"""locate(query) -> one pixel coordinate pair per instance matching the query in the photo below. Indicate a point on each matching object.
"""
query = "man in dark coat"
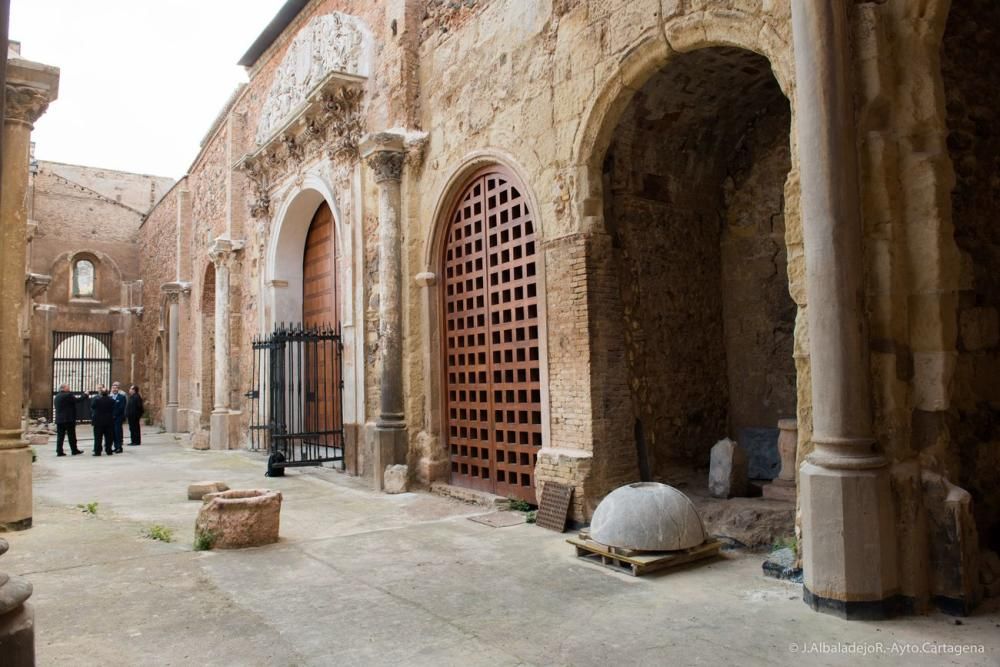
(103, 416)
(94, 395)
(133, 413)
(65, 404)
(120, 402)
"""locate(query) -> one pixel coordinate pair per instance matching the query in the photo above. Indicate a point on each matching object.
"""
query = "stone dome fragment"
(647, 516)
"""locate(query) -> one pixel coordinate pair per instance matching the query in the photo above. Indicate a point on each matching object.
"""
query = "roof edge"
(282, 20)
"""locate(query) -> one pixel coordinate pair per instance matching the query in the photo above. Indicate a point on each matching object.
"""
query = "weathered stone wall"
(157, 246)
(87, 213)
(694, 189)
(972, 39)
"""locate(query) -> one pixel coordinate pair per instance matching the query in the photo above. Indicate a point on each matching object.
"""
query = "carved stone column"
(848, 539)
(29, 89)
(384, 153)
(173, 292)
(222, 254)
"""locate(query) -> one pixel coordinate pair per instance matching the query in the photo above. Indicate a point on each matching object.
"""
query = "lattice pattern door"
(492, 383)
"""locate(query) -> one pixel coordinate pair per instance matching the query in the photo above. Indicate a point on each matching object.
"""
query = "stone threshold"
(470, 495)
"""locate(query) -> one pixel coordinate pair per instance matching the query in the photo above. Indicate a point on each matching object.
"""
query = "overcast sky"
(141, 81)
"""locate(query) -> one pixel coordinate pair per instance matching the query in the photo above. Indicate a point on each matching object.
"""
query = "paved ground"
(366, 579)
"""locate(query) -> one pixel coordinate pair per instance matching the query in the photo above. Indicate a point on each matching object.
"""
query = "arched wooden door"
(319, 311)
(491, 338)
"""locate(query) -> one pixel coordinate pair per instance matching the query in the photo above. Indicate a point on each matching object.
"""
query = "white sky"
(141, 81)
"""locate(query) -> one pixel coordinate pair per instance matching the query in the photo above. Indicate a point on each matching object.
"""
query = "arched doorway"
(490, 341)
(81, 360)
(693, 183)
(207, 384)
(319, 275)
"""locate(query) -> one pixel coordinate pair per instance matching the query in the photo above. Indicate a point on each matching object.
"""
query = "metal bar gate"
(82, 360)
(295, 400)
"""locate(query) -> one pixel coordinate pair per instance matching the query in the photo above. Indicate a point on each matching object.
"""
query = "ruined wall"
(86, 213)
(694, 202)
(157, 241)
(972, 90)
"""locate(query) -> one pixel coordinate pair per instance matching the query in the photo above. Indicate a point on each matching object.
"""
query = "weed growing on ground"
(531, 517)
(518, 505)
(158, 532)
(203, 540)
(89, 508)
(788, 542)
(34, 455)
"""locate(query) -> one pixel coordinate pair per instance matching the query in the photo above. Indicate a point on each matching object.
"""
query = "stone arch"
(107, 274)
(648, 55)
(433, 461)
(286, 245)
(653, 54)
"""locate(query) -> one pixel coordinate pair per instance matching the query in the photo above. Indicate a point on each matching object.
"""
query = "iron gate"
(82, 360)
(295, 399)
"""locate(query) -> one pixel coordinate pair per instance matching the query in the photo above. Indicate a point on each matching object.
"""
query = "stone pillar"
(173, 292)
(17, 620)
(222, 253)
(29, 89)
(848, 540)
(385, 153)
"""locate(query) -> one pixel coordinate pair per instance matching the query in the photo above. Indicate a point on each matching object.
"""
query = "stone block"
(240, 518)
(780, 564)
(395, 478)
(199, 490)
(979, 328)
(954, 545)
(727, 473)
(761, 446)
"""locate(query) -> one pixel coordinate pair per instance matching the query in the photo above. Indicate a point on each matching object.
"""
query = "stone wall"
(695, 202)
(87, 213)
(972, 91)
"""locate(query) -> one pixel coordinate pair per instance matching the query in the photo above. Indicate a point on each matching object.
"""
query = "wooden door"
(491, 338)
(319, 310)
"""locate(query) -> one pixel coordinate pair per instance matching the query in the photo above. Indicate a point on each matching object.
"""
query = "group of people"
(109, 410)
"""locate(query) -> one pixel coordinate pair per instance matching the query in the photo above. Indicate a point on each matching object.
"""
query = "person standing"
(65, 405)
(94, 395)
(133, 413)
(103, 411)
(120, 402)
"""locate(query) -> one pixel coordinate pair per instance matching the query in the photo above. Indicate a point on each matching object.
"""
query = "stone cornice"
(329, 121)
(37, 284)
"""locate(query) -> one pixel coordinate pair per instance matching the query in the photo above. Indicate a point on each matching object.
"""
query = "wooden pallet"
(638, 563)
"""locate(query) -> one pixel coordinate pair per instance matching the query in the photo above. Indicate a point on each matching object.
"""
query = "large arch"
(652, 53)
(434, 457)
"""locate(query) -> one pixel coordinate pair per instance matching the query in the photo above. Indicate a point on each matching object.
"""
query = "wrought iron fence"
(81, 360)
(295, 399)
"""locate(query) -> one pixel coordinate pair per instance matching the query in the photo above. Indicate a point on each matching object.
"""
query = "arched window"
(83, 278)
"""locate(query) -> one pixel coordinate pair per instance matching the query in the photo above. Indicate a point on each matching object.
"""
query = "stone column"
(173, 292)
(848, 540)
(222, 253)
(385, 153)
(29, 89)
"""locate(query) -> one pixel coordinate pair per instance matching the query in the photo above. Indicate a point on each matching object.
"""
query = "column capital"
(222, 250)
(175, 289)
(384, 152)
(30, 88)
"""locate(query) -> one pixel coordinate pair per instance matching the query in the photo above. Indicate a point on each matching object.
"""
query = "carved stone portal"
(330, 43)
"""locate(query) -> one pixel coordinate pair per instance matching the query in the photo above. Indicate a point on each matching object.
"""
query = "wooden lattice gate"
(491, 338)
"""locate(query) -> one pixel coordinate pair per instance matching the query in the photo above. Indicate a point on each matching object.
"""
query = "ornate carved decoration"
(37, 283)
(333, 42)
(331, 123)
(223, 251)
(416, 150)
(25, 103)
(387, 165)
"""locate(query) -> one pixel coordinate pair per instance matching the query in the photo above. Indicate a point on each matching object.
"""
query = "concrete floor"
(367, 579)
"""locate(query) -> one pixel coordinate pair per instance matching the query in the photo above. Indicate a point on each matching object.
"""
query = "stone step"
(470, 495)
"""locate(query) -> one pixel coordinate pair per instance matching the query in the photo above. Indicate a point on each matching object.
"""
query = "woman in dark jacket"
(133, 413)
